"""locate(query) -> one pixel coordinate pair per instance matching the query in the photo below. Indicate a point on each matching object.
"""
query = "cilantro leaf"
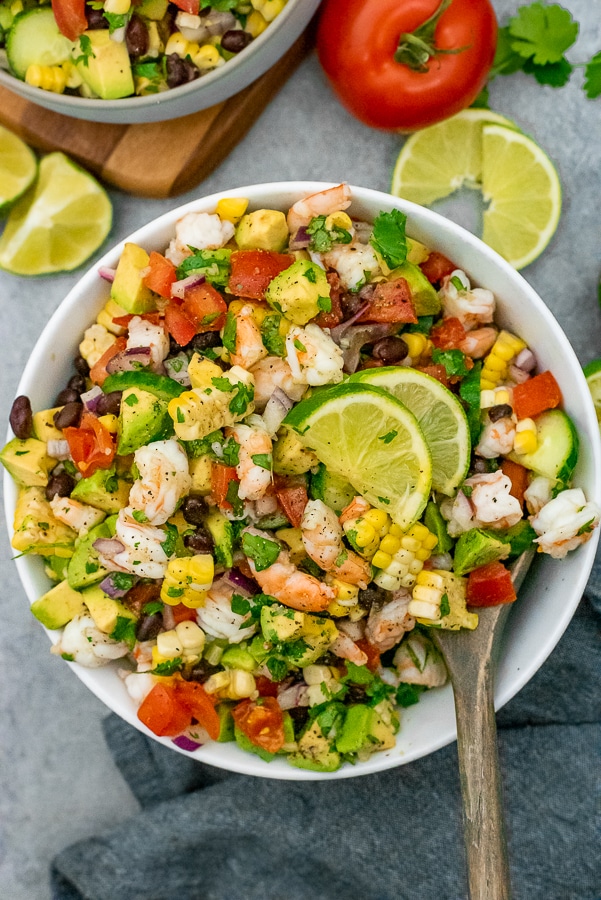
(124, 630)
(231, 452)
(86, 51)
(388, 237)
(233, 498)
(357, 674)
(452, 360)
(506, 60)
(271, 337)
(542, 33)
(213, 264)
(408, 694)
(262, 551)
(244, 395)
(592, 77)
(240, 605)
(263, 460)
(230, 330)
(278, 668)
(323, 238)
(170, 541)
(469, 391)
(553, 74)
(168, 667)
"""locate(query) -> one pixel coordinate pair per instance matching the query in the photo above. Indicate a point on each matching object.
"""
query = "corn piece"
(48, 78)
(118, 7)
(207, 57)
(255, 23)
(110, 422)
(269, 9)
(416, 344)
(242, 684)
(169, 644)
(381, 560)
(191, 636)
(390, 544)
(218, 682)
(422, 610)
(378, 519)
(338, 219)
(231, 209)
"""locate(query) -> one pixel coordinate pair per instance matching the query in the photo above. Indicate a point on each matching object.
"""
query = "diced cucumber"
(335, 491)
(557, 452)
(34, 39)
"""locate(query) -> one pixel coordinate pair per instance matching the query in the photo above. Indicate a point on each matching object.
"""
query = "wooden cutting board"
(159, 159)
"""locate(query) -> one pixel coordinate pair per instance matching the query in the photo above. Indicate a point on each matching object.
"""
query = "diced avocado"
(36, 530)
(226, 723)
(220, 529)
(84, 566)
(263, 229)
(364, 732)
(55, 568)
(43, 425)
(289, 455)
(520, 537)
(318, 635)
(107, 70)
(103, 490)
(246, 744)
(315, 752)
(104, 610)
(142, 418)
(27, 461)
(434, 522)
(128, 289)
(457, 617)
(417, 252)
(152, 9)
(332, 489)
(238, 658)
(200, 472)
(280, 623)
(58, 606)
(293, 538)
(300, 292)
(161, 386)
(426, 301)
(477, 548)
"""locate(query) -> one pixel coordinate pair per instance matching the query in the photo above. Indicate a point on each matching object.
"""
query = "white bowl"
(208, 90)
(554, 587)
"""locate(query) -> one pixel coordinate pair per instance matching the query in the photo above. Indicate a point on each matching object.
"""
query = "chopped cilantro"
(408, 694)
(175, 592)
(169, 667)
(324, 304)
(357, 674)
(124, 630)
(231, 452)
(452, 360)
(445, 606)
(68, 657)
(233, 498)
(244, 395)
(278, 668)
(322, 238)
(469, 391)
(140, 516)
(388, 237)
(122, 581)
(240, 605)
(230, 330)
(385, 500)
(422, 326)
(111, 484)
(223, 384)
(153, 607)
(378, 690)
(387, 438)
(132, 400)
(213, 264)
(310, 275)
(270, 333)
(91, 567)
(86, 51)
(263, 460)
(170, 541)
(262, 551)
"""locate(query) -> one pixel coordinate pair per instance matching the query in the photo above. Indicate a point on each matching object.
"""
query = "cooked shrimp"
(565, 522)
(85, 644)
(139, 685)
(417, 661)
(217, 618)
(142, 552)
(254, 442)
(472, 306)
(320, 204)
(313, 356)
(352, 569)
(496, 438)
(490, 505)
(322, 534)
(78, 516)
(538, 493)
(144, 334)
(271, 373)
(249, 345)
(352, 261)
(477, 343)
(203, 231)
(357, 507)
(346, 648)
(164, 480)
(387, 624)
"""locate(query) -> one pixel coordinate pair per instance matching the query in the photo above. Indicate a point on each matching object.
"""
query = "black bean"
(350, 303)
(299, 716)
(81, 365)
(235, 40)
(109, 404)
(200, 541)
(67, 395)
(21, 417)
(69, 415)
(501, 411)
(205, 340)
(390, 349)
(62, 484)
(77, 383)
(148, 626)
(136, 37)
(95, 19)
(194, 510)
(179, 71)
(356, 693)
(371, 595)
(201, 672)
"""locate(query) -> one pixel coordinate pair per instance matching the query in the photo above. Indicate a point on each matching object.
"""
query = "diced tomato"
(536, 395)
(193, 697)
(98, 373)
(179, 325)
(262, 722)
(161, 275)
(205, 307)
(221, 477)
(140, 594)
(390, 302)
(183, 613)
(153, 317)
(372, 653)
(490, 585)
(448, 335)
(436, 370)
(70, 17)
(90, 444)
(335, 315)
(252, 270)
(371, 364)
(436, 266)
(266, 687)
(161, 712)
(518, 475)
(293, 499)
(189, 6)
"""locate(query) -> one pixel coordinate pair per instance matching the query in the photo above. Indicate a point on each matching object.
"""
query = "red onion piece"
(291, 697)
(108, 546)
(525, 360)
(518, 375)
(275, 411)
(176, 368)
(185, 743)
(128, 360)
(109, 587)
(217, 22)
(358, 336)
(179, 288)
(301, 240)
(338, 332)
(90, 398)
(244, 585)
(107, 273)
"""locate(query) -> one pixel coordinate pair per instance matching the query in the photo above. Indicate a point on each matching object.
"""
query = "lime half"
(592, 373)
(439, 414)
(59, 224)
(18, 168)
(368, 437)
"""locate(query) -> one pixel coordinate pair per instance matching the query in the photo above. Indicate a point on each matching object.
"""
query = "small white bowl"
(553, 589)
(208, 90)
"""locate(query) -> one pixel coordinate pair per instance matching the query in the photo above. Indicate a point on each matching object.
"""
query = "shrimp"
(387, 624)
(164, 480)
(496, 438)
(85, 644)
(203, 231)
(249, 344)
(357, 507)
(142, 552)
(138, 685)
(538, 493)
(352, 261)
(472, 306)
(144, 334)
(320, 204)
(477, 343)
(217, 618)
(254, 442)
(490, 505)
(346, 648)
(313, 356)
(565, 522)
(352, 569)
(76, 515)
(417, 661)
(321, 534)
(271, 373)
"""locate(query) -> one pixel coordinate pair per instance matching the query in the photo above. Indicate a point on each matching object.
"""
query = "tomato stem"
(416, 48)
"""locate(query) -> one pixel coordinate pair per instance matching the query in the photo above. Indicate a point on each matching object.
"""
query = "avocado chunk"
(364, 732)
(43, 425)
(476, 548)
(103, 490)
(280, 623)
(84, 566)
(58, 606)
(200, 468)
(220, 529)
(55, 568)
(417, 252)
(334, 490)
(128, 288)
(300, 292)
(152, 9)
(27, 461)
(142, 418)
(226, 723)
(161, 386)
(454, 613)
(315, 752)
(36, 530)
(290, 457)
(104, 610)
(304, 637)
(263, 229)
(434, 522)
(107, 70)
(426, 301)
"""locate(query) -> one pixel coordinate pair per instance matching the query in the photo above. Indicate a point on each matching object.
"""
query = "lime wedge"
(439, 414)
(438, 160)
(592, 373)
(523, 191)
(369, 438)
(59, 224)
(18, 168)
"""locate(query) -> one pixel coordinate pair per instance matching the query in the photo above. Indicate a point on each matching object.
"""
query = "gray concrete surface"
(57, 781)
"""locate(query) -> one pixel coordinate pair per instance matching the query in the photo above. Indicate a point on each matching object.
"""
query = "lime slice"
(18, 167)
(369, 438)
(59, 224)
(439, 414)
(438, 160)
(523, 191)
(592, 373)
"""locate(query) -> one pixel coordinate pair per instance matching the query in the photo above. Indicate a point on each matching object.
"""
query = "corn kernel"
(231, 209)
(269, 9)
(169, 644)
(110, 422)
(390, 544)
(378, 519)
(395, 530)
(218, 682)
(388, 582)
(486, 384)
(381, 560)
(337, 609)
(155, 44)
(255, 23)
(364, 532)
(110, 311)
(202, 371)
(118, 7)
(416, 344)
(207, 57)
(344, 590)
(48, 78)
(242, 684)
(423, 610)
(338, 220)
(178, 44)
(191, 636)
(73, 78)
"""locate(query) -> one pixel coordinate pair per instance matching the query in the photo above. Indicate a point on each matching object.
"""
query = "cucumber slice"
(557, 452)
(335, 491)
(34, 39)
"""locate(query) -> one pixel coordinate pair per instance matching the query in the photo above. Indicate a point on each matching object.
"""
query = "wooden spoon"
(471, 658)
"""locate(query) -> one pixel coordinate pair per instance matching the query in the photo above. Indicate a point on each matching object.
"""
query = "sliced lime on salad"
(592, 373)
(440, 416)
(18, 168)
(367, 436)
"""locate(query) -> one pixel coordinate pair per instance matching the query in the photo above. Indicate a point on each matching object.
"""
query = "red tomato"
(205, 307)
(189, 6)
(262, 722)
(372, 653)
(519, 477)
(98, 373)
(293, 500)
(193, 697)
(436, 370)
(91, 445)
(183, 613)
(266, 687)
(360, 41)
(252, 270)
(179, 325)
(448, 335)
(221, 476)
(70, 17)
(490, 585)
(335, 315)
(161, 712)
(536, 395)
(391, 302)
(161, 274)
(436, 266)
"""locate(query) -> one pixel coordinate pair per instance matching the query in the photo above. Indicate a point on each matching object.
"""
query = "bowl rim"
(287, 190)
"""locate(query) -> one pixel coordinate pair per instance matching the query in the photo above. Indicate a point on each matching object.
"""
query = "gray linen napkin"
(205, 834)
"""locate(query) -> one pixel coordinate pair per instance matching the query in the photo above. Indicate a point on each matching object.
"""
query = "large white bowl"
(553, 589)
(218, 85)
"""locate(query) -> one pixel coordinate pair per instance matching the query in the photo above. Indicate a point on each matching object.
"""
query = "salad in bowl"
(300, 427)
